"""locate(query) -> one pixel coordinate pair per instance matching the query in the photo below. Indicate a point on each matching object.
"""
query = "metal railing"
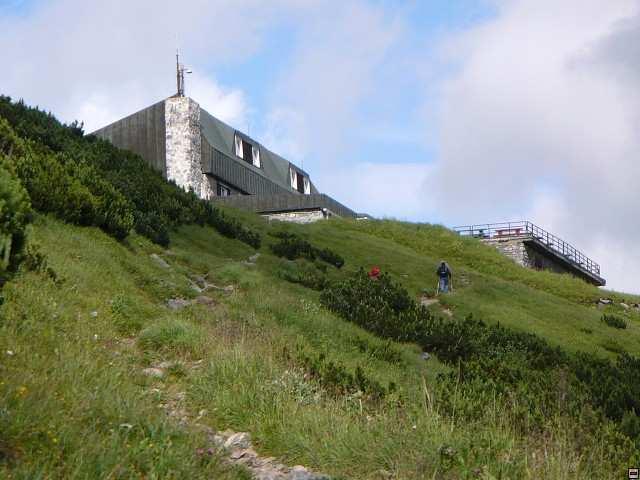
(528, 229)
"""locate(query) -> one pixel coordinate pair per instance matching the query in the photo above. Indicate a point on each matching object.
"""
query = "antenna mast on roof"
(180, 71)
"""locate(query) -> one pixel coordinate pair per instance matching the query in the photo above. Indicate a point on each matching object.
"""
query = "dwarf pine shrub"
(614, 321)
(88, 181)
(15, 214)
(492, 360)
(291, 247)
(304, 273)
(337, 379)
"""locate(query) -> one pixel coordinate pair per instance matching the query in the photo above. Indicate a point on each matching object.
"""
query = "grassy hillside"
(122, 353)
(73, 383)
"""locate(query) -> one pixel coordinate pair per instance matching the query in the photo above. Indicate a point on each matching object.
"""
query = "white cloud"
(541, 121)
(331, 73)
(97, 61)
(380, 189)
(229, 105)
(339, 66)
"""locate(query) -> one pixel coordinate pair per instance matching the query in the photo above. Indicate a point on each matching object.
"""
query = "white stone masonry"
(183, 146)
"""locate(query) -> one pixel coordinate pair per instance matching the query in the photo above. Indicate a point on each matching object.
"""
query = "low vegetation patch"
(304, 273)
(292, 246)
(492, 360)
(614, 321)
(171, 335)
(87, 181)
(337, 379)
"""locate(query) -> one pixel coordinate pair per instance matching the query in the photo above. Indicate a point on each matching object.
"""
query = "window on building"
(256, 156)
(223, 190)
(300, 183)
(248, 152)
(238, 146)
(294, 178)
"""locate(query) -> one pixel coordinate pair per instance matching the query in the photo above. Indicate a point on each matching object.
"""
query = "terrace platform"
(531, 246)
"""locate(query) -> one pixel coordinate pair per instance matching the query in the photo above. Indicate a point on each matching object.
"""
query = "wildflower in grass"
(22, 391)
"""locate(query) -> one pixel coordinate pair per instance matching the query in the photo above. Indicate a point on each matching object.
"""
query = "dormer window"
(299, 181)
(248, 152)
(294, 178)
(256, 157)
(238, 143)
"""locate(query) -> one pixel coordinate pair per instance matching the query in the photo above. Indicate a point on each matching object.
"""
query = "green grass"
(75, 404)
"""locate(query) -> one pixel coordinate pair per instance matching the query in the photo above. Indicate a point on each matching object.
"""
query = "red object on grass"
(375, 272)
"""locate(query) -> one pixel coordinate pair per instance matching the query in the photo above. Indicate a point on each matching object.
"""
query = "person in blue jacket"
(445, 275)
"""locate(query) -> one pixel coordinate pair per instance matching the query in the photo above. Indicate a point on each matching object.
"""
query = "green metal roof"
(221, 137)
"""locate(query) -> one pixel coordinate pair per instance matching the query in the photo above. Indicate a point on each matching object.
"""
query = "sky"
(440, 111)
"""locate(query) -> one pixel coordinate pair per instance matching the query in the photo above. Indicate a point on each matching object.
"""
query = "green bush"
(292, 247)
(15, 214)
(74, 192)
(492, 360)
(331, 257)
(88, 181)
(381, 306)
(36, 261)
(614, 321)
(303, 273)
(152, 226)
(336, 378)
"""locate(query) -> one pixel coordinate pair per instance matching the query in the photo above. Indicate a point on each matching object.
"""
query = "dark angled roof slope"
(221, 137)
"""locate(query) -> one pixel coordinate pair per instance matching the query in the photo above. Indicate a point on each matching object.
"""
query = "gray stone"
(425, 356)
(254, 258)
(238, 440)
(177, 303)
(159, 260)
(268, 474)
(625, 306)
(166, 364)
(239, 453)
(309, 216)
(204, 300)
(218, 440)
(153, 372)
(605, 301)
(305, 475)
(199, 280)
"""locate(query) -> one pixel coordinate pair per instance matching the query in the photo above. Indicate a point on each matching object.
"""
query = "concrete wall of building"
(143, 133)
(286, 203)
(309, 216)
(523, 254)
(539, 261)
